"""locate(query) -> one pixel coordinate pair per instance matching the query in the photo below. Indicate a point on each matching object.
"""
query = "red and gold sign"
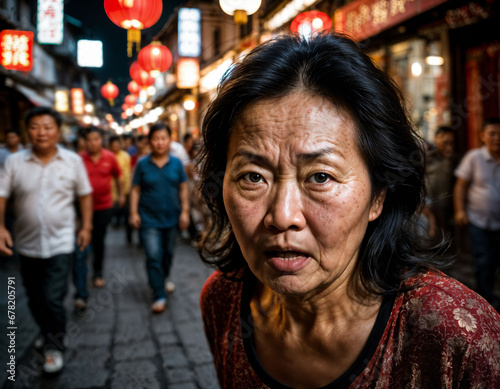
(365, 18)
(134, 16)
(77, 101)
(309, 22)
(17, 50)
(155, 58)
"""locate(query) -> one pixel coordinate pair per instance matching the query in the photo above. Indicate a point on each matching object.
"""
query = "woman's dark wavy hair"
(334, 67)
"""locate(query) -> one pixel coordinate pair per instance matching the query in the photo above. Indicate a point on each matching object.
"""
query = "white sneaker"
(39, 342)
(54, 361)
(159, 305)
(169, 287)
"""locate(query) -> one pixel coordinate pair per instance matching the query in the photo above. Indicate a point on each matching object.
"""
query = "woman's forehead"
(295, 117)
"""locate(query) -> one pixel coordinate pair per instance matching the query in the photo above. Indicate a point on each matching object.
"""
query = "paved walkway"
(119, 343)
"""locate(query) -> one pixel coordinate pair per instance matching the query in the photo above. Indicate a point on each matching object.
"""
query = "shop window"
(417, 67)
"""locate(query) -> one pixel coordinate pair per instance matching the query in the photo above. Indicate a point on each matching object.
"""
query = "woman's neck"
(321, 314)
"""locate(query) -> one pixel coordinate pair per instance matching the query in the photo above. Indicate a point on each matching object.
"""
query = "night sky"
(97, 25)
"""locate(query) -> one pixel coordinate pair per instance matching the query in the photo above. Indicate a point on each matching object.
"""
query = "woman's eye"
(319, 178)
(253, 177)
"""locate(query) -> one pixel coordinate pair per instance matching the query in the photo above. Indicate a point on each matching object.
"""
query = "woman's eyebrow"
(260, 159)
(307, 157)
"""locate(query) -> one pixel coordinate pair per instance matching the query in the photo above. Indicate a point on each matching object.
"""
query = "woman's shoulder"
(219, 291)
(439, 302)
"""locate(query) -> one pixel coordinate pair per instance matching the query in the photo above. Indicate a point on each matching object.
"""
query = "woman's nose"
(285, 208)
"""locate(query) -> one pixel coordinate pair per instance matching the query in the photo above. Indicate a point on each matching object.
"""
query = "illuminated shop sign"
(62, 101)
(89, 53)
(188, 73)
(366, 18)
(189, 43)
(77, 101)
(17, 50)
(50, 26)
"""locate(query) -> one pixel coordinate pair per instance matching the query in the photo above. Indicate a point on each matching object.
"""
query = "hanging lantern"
(134, 16)
(155, 58)
(109, 91)
(310, 22)
(130, 100)
(125, 107)
(240, 9)
(140, 76)
(134, 88)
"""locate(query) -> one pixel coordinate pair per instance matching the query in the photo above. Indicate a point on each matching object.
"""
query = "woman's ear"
(377, 205)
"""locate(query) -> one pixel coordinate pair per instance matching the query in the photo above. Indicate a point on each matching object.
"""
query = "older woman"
(313, 173)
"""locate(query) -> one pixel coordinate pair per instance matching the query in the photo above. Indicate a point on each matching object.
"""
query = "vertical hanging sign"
(189, 32)
(50, 25)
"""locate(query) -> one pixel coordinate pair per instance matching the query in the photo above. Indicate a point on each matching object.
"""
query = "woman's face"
(297, 194)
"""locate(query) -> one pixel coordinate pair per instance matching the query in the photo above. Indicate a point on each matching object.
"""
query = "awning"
(33, 96)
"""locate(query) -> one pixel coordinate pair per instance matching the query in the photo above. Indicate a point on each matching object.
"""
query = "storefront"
(409, 40)
(444, 55)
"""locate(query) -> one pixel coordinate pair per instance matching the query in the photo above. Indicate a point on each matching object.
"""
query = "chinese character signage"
(77, 101)
(365, 18)
(188, 73)
(189, 43)
(50, 24)
(17, 50)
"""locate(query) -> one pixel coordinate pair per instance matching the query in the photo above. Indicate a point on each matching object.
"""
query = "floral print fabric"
(440, 335)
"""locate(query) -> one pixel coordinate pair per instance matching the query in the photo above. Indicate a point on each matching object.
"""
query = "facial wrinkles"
(266, 132)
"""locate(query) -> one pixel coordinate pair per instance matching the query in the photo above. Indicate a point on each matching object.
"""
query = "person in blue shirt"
(159, 206)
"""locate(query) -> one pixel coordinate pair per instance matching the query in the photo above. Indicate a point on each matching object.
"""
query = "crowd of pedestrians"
(56, 205)
(63, 201)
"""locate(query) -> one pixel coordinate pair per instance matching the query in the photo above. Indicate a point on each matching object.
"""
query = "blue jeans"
(159, 245)
(486, 251)
(80, 272)
(46, 283)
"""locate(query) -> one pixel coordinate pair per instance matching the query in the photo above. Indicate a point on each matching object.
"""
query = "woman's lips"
(287, 261)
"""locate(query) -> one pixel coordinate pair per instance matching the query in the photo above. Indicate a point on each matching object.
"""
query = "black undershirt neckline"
(349, 376)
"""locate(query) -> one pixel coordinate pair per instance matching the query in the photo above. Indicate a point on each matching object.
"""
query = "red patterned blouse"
(440, 334)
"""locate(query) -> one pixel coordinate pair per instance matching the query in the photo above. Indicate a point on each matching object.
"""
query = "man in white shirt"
(477, 205)
(44, 181)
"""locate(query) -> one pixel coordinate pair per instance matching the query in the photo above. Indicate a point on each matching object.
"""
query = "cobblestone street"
(119, 343)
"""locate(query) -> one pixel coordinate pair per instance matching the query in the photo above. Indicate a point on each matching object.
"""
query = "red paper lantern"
(309, 22)
(130, 100)
(125, 107)
(155, 58)
(140, 76)
(109, 91)
(134, 88)
(134, 16)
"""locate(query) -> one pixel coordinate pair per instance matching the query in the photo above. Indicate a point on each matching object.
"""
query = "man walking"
(441, 162)
(43, 180)
(477, 205)
(102, 168)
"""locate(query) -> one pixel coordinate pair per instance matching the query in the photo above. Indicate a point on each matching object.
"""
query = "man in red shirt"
(102, 167)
